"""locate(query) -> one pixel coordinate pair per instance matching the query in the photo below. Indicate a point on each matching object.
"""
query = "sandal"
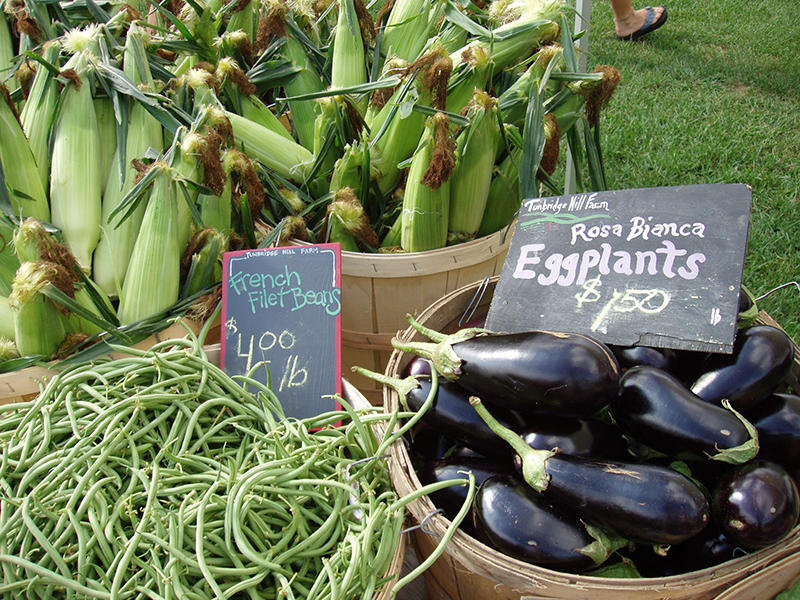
(649, 25)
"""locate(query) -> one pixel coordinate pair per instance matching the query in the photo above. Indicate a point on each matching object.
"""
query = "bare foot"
(633, 23)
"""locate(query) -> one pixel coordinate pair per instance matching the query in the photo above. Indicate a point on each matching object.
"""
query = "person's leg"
(627, 20)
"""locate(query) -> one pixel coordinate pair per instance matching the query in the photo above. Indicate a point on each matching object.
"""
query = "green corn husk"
(144, 133)
(107, 136)
(504, 200)
(7, 54)
(243, 95)
(403, 126)
(192, 152)
(307, 81)
(513, 102)
(426, 202)
(469, 188)
(37, 114)
(9, 262)
(22, 178)
(244, 19)
(516, 39)
(216, 209)
(348, 60)
(409, 26)
(201, 265)
(75, 178)
(392, 239)
(473, 73)
(347, 223)
(287, 158)
(152, 283)
(39, 325)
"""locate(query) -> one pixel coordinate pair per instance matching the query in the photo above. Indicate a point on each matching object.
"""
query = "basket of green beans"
(156, 475)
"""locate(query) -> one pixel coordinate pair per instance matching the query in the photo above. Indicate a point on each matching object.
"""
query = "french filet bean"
(158, 476)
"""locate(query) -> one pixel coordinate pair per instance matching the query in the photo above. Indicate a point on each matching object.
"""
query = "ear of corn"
(287, 158)
(144, 133)
(152, 283)
(426, 202)
(203, 261)
(470, 183)
(348, 66)
(39, 325)
(307, 81)
(244, 19)
(6, 320)
(410, 24)
(503, 200)
(107, 137)
(6, 53)
(22, 178)
(37, 114)
(9, 262)
(75, 186)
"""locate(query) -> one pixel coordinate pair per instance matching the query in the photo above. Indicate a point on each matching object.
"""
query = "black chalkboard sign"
(657, 267)
(281, 323)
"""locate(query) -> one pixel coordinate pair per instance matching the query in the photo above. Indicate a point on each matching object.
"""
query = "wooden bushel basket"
(380, 290)
(469, 570)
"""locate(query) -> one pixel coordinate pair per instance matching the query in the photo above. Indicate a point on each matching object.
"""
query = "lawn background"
(714, 97)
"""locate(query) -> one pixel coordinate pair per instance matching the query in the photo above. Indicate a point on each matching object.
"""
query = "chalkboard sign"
(281, 313)
(657, 267)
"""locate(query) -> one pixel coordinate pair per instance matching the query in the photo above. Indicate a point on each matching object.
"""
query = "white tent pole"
(583, 14)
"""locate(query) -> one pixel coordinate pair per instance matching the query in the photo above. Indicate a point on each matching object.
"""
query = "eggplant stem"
(422, 349)
(533, 461)
(743, 452)
(603, 546)
(436, 336)
(403, 387)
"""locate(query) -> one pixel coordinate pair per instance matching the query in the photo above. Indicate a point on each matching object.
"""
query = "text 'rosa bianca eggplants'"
(535, 371)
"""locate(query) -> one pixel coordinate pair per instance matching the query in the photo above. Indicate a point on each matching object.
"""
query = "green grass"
(714, 97)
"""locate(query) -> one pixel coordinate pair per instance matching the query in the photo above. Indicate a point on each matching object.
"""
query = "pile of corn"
(142, 140)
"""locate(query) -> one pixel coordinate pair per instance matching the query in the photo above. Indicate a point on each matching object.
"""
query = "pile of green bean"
(158, 476)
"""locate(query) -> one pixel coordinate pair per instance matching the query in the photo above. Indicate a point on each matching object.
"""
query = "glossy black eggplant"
(709, 548)
(518, 522)
(640, 502)
(663, 414)
(451, 413)
(762, 358)
(451, 499)
(777, 420)
(665, 359)
(579, 436)
(529, 372)
(756, 504)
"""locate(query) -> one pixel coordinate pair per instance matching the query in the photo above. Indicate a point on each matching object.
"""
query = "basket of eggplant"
(622, 472)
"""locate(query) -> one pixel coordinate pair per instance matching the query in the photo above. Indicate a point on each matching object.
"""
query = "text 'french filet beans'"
(157, 475)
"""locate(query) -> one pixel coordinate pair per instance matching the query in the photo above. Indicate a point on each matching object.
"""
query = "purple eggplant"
(451, 499)
(632, 356)
(709, 548)
(640, 502)
(762, 358)
(659, 411)
(578, 436)
(777, 420)
(451, 413)
(756, 504)
(529, 372)
(517, 521)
